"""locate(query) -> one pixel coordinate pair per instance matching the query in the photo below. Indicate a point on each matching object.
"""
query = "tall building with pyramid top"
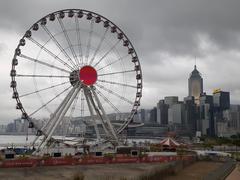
(195, 85)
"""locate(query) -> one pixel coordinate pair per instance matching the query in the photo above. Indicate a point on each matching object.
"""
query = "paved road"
(195, 171)
(235, 174)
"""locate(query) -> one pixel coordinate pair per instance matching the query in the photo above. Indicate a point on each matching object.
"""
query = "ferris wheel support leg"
(89, 95)
(104, 114)
(49, 122)
(53, 118)
(92, 115)
(56, 117)
(62, 114)
(34, 141)
(58, 111)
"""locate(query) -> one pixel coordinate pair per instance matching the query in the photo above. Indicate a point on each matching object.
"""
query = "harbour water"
(16, 139)
(13, 140)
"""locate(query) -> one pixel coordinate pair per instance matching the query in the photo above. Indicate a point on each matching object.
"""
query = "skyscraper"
(162, 112)
(206, 122)
(170, 100)
(221, 99)
(190, 111)
(195, 85)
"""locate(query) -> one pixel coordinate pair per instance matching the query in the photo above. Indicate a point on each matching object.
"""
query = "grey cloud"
(1, 47)
(155, 27)
(166, 25)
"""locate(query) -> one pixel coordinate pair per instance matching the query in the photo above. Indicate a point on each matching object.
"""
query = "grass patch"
(78, 176)
(158, 173)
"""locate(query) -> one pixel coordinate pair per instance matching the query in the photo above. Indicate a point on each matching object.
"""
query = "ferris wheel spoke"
(119, 59)
(99, 46)
(43, 63)
(58, 45)
(82, 103)
(124, 125)
(108, 101)
(41, 76)
(115, 94)
(55, 97)
(51, 53)
(79, 39)
(68, 41)
(100, 60)
(117, 83)
(89, 42)
(120, 72)
(43, 89)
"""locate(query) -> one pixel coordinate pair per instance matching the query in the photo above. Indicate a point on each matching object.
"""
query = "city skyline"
(166, 48)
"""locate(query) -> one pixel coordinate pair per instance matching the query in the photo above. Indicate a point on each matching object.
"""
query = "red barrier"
(58, 161)
(127, 159)
(19, 163)
(51, 161)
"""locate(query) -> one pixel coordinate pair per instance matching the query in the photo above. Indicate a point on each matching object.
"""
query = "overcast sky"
(167, 35)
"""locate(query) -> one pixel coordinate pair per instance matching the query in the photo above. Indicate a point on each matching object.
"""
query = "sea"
(23, 140)
(16, 139)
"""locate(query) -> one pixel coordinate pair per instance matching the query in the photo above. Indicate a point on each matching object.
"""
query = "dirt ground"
(91, 172)
(105, 172)
(195, 171)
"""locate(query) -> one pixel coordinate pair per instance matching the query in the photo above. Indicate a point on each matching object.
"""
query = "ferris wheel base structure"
(59, 114)
(80, 65)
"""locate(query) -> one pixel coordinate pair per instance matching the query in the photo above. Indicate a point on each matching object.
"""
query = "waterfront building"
(206, 122)
(176, 113)
(162, 113)
(144, 115)
(230, 122)
(151, 130)
(153, 115)
(235, 117)
(3, 129)
(190, 114)
(170, 100)
(221, 100)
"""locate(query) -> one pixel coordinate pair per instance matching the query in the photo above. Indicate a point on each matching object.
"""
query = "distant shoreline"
(17, 134)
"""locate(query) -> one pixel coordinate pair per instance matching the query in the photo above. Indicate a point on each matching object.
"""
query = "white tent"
(169, 142)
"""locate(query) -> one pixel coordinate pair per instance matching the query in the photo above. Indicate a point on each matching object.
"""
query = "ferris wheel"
(75, 64)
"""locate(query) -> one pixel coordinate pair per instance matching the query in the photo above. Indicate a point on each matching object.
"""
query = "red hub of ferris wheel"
(88, 75)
